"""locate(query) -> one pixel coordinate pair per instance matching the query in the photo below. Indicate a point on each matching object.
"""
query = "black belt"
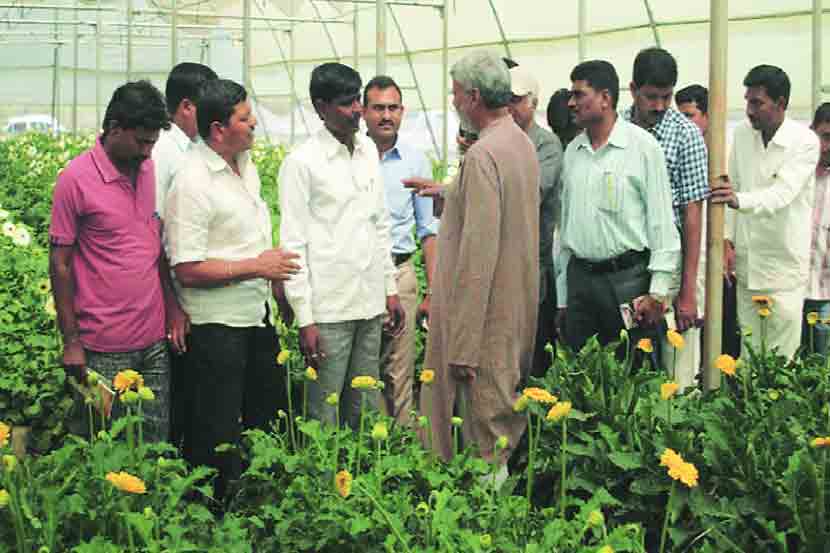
(401, 258)
(620, 263)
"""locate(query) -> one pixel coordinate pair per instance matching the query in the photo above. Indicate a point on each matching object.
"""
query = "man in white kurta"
(772, 177)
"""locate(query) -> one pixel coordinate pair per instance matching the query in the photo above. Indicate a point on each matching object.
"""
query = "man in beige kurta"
(486, 283)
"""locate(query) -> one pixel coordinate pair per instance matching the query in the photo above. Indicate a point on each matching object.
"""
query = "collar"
(657, 130)
(179, 137)
(216, 163)
(618, 137)
(332, 147)
(786, 135)
(504, 120)
(109, 172)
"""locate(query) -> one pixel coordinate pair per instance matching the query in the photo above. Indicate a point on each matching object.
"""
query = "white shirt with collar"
(213, 213)
(169, 154)
(775, 187)
(334, 216)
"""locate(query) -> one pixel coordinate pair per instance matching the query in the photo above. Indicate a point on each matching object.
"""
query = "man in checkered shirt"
(652, 89)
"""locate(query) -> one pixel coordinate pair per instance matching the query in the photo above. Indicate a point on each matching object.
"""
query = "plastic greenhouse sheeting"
(540, 34)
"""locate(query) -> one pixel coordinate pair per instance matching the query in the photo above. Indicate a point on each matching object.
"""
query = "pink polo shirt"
(117, 238)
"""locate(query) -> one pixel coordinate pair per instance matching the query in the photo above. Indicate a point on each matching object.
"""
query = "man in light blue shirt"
(383, 112)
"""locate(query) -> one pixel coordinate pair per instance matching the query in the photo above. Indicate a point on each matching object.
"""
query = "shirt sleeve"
(425, 223)
(787, 182)
(164, 176)
(550, 167)
(295, 217)
(564, 252)
(730, 216)
(478, 252)
(67, 209)
(187, 218)
(382, 227)
(663, 238)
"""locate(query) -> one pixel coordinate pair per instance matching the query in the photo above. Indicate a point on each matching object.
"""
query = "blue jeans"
(821, 331)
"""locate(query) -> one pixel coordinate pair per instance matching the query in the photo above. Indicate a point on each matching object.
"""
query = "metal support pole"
(326, 29)
(56, 61)
(415, 81)
(75, 61)
(716, 142)
(294, 102)
(817, 52)
(380, 44)
(129, 40)
(445, 82)
(98, 67)
(246, 44)
(501, 29)
(582, 41)
(356, 40)
(653, 23)
(174, 33)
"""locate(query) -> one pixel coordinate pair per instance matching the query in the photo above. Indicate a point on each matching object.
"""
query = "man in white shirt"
(184, 86)
(334, 216)
(818, 287)
(218, 237)
(771, 190)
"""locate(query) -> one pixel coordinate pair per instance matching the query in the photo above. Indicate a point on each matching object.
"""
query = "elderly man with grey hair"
(486, 282)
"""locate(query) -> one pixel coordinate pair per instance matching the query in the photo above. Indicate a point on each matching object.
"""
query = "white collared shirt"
(169, 154)
(818, 287)
(333, 214)
(775, 187)
(213, 213)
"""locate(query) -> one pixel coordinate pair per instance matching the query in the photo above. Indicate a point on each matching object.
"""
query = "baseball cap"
(522, 82)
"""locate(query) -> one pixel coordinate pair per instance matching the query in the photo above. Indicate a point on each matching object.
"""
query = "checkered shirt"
(686, 159)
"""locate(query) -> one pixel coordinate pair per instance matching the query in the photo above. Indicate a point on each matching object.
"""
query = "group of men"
(161, 241)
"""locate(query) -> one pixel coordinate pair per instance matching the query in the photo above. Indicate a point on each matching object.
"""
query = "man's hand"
(728, 259)
(424, 187)
(74, 359)
(423, 310)
(462, 372)
(395, 316)
(277, 264)
(648, 311)
(178, 327)
(286, 312)
(559, 321)
(685, 310)
(724, 193)
(311, 345)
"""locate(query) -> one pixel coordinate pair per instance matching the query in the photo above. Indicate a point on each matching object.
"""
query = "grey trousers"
(352, 348)
(153, 363)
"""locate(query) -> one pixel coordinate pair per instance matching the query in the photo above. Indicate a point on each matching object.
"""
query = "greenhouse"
(250, 305)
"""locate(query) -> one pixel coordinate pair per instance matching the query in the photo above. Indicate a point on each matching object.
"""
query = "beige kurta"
(485, 290)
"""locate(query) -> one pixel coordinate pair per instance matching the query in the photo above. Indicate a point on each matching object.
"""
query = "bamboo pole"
(582, 42)
(817, 53)
(380, 35)
(716, 142)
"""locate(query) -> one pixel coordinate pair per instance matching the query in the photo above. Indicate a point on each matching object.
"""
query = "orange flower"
(539, 395)
(668, 389)
(127, 482)
(675, 339)
(427, 376)
(5, 432)
(726, 364)
(127, 379)
(820, 442)
(645, 345)
(670, 458)
(343, 483)
(559, 411)
(762, 301)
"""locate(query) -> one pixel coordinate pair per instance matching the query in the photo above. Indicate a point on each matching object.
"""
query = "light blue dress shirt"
(405, 207)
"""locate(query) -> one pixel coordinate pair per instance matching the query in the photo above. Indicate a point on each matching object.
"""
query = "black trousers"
(545, 333)
(234, 385)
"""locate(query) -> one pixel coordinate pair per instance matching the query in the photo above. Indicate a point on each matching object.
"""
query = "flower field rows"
(614, 460)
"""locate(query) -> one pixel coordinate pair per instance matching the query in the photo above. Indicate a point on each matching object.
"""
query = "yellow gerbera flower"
(427, 376)
(311, 374)
(9, 462)
(343, 483)
(364, 383)
(686, 473)
(43, 286)
(283, 356)
(668, 389)
(675, 339)
(539, 395)
(127, 482)
(146, 394)
(820, 442)
(762, 301)
(764, 312)
(4, 499)
(559, 411)
(5, 433)
(726, 364)
(380, 432)
(127, 379)
(521, 404)
(812, 318)
(670, 458)
(645, 345)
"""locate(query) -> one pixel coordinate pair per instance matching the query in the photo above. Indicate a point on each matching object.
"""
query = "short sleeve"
(186, 218)
(67, 209)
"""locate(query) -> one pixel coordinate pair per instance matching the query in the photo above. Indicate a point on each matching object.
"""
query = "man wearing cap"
(522, 107)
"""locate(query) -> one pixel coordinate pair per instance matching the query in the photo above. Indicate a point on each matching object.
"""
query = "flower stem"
(665, 531)
(454, 441)
(91, 423)
(385, 515)
(359, 435)
(531, 458)
(674, 364)
(564, 467)
(305, 408)
(290, 406)
(140, 424)
(130, 430)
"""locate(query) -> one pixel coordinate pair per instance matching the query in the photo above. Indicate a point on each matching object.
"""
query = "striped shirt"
(617, 199)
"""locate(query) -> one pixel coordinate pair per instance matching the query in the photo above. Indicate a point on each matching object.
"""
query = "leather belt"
(615, 264)
(401, 258)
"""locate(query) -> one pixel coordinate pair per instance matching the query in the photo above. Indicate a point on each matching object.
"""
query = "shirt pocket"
(610, 191)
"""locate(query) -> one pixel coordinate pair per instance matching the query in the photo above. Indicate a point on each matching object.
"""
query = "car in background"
(32, 123)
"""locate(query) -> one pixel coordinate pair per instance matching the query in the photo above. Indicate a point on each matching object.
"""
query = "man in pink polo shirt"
(109, 276)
